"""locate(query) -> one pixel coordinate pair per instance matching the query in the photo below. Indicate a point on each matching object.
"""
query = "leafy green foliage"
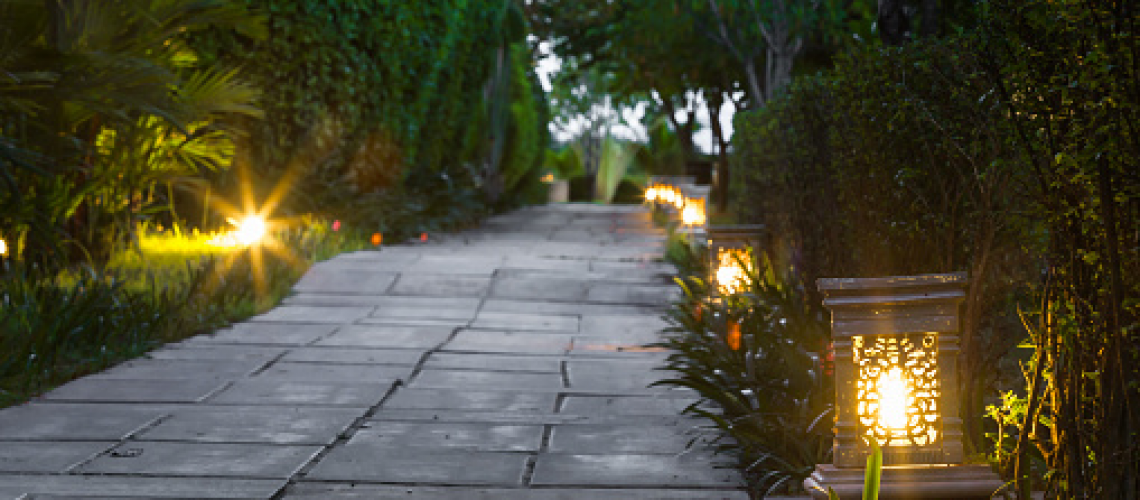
(1010, 153)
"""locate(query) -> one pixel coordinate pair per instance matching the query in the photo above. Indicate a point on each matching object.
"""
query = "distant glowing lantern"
(896, 344)
(3, 247)
(336, 226)
(731, 250)
(250, 229)
(377, 239)
(693, 213)
(423, 237)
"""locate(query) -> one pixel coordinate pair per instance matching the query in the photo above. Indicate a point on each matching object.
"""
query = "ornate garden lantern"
(729, 247)
(896, 349)
(693, 212)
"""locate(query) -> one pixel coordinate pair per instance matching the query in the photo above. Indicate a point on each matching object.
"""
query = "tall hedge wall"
(364, 95)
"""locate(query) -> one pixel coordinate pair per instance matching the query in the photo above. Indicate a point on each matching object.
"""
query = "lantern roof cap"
(893, 289)
(735, 229)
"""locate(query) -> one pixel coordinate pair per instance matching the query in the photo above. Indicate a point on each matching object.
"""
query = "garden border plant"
(753, 358)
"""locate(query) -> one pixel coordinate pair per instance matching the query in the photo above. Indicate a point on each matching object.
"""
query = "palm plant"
(89, 86)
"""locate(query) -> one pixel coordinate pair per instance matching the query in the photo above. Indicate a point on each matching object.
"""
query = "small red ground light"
(733, 337)
(377, 239)
(423, 236)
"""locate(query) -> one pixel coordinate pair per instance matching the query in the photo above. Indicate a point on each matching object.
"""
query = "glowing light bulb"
(893, 397)
(729, 274)
(651, 193)
(250, 230)
(693, 214)
(3, 247)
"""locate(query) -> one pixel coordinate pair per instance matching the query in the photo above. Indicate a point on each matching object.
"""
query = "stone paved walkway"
(501, 363)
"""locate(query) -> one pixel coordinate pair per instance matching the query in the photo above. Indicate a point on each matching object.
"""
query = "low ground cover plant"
(60, 325)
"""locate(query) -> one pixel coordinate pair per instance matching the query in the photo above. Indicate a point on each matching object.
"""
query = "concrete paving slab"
(614, 375)
(450, 435)
(253, 424)
(471, 400)
(532, 262)
(47, 456)
(314, 314)
(492, 341)
(664, 270)
(78, 487)
(78, 422)
(442, 285)
(203, 351)
(247, 461)
(413, 321)
(492, 362)
(616, 345)
(624, 405)
(401, 314)
(332, 299)
(641, 325)
(556, 469)
(372, 463)
(330, 279)
(353, 355)
(179, 369)
(281, 334)
(490, 320)
(135, 391)
(315, 491)
(400, 302)
(564, 308)
(493, 417)
(303, 393)
(621, 439)
(334, 372)
(565, 289)
(470, 379)
(633, 294)
(388, 336)
(455, 264)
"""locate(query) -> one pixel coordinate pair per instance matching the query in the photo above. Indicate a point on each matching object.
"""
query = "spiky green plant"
(764, 391)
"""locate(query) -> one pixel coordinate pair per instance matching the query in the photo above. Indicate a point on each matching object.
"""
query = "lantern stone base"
(959, 482)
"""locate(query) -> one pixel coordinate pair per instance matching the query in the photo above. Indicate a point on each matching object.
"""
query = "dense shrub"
(897, 164)
(1008, 153)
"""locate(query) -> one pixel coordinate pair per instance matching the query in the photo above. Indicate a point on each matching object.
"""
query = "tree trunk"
(684, 130)
(893, 22)
(715, 101)
(754, 87)
(929, 26)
